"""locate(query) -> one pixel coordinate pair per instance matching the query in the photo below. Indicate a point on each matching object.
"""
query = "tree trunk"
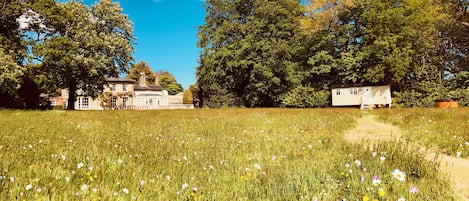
(71, 97)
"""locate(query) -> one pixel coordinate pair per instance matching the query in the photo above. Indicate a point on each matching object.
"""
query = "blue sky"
(166, 34)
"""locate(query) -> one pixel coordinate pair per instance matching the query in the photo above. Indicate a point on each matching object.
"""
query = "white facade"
(125, 94)
(361, 95)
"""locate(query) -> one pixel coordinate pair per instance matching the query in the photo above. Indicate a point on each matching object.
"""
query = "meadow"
(216, 154)
(444, 130)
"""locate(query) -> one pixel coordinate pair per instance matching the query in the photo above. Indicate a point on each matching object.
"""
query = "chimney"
(157, 82)
(143, 78)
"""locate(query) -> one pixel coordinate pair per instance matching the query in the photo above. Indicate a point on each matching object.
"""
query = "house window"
(353, 91)
(124, 87)
(114, 102)
(337, 92)
(85, 102)
(113, 87)
(150, 102)
(124, 102)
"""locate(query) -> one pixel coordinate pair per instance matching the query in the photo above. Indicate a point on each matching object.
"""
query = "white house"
(125, 94)
(363, 96)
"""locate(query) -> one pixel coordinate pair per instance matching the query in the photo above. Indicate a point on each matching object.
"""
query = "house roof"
(119, 79)
(139, 87)
(335, 86)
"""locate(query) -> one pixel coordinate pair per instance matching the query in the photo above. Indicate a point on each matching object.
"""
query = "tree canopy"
(266, 53)
(64, 45)
(169, 82)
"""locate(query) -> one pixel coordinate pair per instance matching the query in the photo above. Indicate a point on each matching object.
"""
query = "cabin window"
(353, 91)
(337, 92)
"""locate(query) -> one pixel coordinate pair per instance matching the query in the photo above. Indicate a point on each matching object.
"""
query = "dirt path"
(372, 131)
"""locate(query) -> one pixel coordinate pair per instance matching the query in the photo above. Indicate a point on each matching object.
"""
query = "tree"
(93, 45)
(248, 45)
(187, 97)
(10, 74)
(167, 81)
(142, 66)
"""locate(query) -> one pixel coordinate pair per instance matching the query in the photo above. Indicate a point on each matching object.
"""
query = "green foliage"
(83, 53)
(187, 97)
(247, 47)
(306, 97)
(10, 74)
(167, 81)
(142, 66)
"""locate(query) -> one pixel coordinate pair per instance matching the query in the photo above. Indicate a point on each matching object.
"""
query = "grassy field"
(225, 154)
(446, 130)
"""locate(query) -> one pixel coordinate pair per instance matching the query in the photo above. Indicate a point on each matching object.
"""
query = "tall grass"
(446, 130)
(226, 154)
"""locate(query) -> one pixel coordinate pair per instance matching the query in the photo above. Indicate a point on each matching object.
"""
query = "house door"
(366, 98)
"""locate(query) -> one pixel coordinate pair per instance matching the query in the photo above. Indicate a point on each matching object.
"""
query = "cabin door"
(366, 98)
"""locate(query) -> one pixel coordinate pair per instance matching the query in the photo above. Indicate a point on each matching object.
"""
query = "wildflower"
(125, 190)
(94, 190)
(401, 199)
(12, 179)
(376, 181)
(64, 157)
(90, 168)
(347, 165)
(67, 179)
(399, 175)
(115, 193)
(28, 187)
(358, 163)
(80, 165)
(195, 188)
(142, 182)
(381, 192)
(374, 154)
(185, 185)
(413, 190)
(362, 178)
(382, 158)
(84, 187)
(257, 166)
(274, 157)
(168, 177)
(458, 154)
(120, 161)
(366, 198)
(246, 169)
(177, 192)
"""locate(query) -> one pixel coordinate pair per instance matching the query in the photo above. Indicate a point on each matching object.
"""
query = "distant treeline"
(264, 53)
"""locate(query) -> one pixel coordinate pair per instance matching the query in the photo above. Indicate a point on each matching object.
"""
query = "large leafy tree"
(169, 82)
(86, 46)
(379, 41)
(142, 66)
(12, 48)
(248, 48)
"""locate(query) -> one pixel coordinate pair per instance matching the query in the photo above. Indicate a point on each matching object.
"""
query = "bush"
(187, 98)
(305, 97)
(462, 95)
